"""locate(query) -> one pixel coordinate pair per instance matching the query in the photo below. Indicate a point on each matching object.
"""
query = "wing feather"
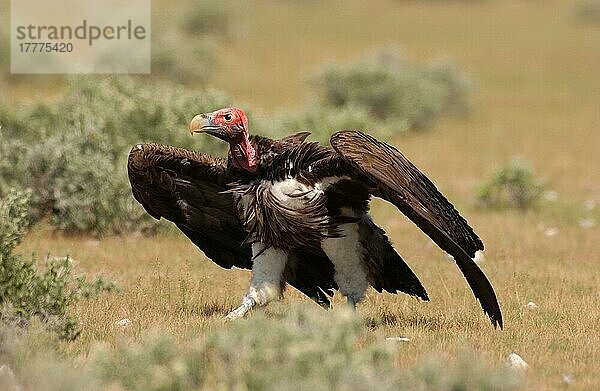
(188, 188)
(387, 269)
(394, 178)
(185, 187)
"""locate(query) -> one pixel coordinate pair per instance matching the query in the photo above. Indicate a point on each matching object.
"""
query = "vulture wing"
(185, 187)
(394, 178)
(188, 187)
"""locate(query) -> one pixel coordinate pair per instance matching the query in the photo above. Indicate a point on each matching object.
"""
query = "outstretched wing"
(188, 187)
(386, 268)
(391, 176)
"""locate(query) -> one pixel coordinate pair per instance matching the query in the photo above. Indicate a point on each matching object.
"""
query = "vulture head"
(230, 125)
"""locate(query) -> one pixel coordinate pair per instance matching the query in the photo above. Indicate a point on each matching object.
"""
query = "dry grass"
(538, 98)
(168, 285)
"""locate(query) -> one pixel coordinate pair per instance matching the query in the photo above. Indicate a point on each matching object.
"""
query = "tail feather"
(386, 270)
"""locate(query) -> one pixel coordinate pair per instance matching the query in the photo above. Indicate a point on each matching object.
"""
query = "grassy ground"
(538, 98)
(166, 284)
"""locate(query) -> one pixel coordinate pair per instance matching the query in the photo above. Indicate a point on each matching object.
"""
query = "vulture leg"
(265, 285)
(347, 253)
(351, 303)
(247, 304)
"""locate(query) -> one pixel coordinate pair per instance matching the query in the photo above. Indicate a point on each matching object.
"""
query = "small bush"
(322, 122)
(382, 94)
(75, 180)
(26, 292)
(304, 349)
(512, 186)
(13, 220)
(129, 110)
(181, 59)
(72, 153)
(391, 88)
(184, 49)
(183, 43)
(588, 11)
(212, 17)
(4, 40)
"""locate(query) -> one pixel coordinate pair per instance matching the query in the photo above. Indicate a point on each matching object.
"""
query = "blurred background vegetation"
(202, 52)
(496, 100)
(48, 144)
(53, 126)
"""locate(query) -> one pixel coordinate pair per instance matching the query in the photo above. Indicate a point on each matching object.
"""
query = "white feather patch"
(267, 272)
(347, 254)
(295, 194)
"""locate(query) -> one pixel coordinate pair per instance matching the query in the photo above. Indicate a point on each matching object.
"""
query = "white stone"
(550, 195)
(479, 257)
(515, 361)
(589, 204)
(124, 323)
(589, 222)
(531, 305)
(398, 339)
(551, 231)
(567, 378)
(8, 380)
(6, 372)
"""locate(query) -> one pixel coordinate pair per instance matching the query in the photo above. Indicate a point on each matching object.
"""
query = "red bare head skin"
(231, 117)
(229, 124)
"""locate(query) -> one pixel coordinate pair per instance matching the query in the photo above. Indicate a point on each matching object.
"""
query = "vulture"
(297, 212)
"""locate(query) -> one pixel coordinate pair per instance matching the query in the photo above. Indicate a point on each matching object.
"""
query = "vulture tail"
(386, 270)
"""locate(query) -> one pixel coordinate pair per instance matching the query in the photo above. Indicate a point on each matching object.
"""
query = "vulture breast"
(286, 214)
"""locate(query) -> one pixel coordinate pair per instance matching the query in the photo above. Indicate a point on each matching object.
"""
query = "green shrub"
(391, 88)
(4, 40)
(26, 292)
(212, 17)
(512, 186)
(74, 179)
(183, 60)
(305, 349)
(588, 11)
(382, 94)
(72, 153)
(322, 122)
(184, 44)
(13, 220)
(129, 110)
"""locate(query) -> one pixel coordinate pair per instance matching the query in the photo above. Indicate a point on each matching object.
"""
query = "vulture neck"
(243, 154)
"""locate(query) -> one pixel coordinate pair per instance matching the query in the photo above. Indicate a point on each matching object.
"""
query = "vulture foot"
(247, 304)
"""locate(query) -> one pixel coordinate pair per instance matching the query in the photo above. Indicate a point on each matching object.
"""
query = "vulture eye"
(227, 117)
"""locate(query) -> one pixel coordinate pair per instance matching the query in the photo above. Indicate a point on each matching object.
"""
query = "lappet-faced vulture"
(297, 212)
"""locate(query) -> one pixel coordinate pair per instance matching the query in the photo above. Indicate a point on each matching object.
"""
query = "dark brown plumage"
(306, 201)
(189, 189)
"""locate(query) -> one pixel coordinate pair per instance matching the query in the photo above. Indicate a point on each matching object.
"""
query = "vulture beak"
(203, 123)
(200, 123)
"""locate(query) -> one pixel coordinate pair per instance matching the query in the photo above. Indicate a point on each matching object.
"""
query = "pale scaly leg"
(247, 304)
(265, 285)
